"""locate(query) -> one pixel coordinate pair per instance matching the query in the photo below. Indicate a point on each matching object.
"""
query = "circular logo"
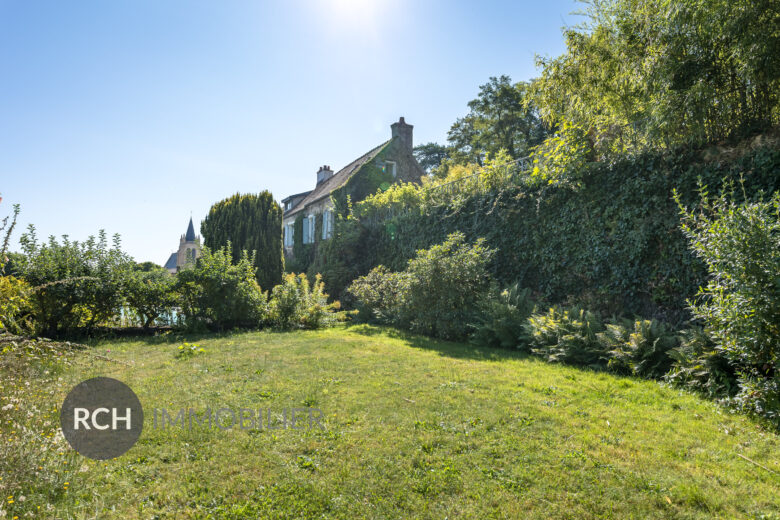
(101, 418)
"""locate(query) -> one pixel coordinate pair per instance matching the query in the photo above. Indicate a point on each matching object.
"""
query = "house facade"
(309, 216)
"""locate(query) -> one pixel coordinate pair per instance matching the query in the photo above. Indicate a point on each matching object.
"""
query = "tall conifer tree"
(251, 222)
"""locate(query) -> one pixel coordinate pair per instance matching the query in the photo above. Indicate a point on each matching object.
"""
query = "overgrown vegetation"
(436, 293)
(740, 305)
(297, 305)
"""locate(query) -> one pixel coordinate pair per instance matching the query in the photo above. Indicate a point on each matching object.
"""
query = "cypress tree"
(253, 223)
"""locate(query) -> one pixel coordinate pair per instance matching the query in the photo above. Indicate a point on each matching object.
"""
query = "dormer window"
(389, 167)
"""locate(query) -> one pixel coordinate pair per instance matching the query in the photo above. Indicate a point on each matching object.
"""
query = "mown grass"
(416, 428)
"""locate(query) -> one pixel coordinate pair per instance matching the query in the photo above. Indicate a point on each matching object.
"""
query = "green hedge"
(608, 239)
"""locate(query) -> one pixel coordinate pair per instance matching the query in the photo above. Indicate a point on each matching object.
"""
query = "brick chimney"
(324, 173)
(402, 131)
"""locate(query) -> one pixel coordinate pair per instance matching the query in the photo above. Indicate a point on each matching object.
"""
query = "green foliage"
(649, 74)
(502, 117)
(249, 222)
(563, 156)
(14, 305)
(435, 295)
(7, 229)
(151, 292)
(430, 155)
(567, 336)
(501, 317)
(218, 293)
(641, 348)
(379, 295)
(699, 366)
(296, 305)
(445, 283)
(740, 305)
(75, 284)
(609, 241)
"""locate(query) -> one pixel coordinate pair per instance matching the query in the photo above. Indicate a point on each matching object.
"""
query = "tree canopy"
(253, 223)
(661, 73)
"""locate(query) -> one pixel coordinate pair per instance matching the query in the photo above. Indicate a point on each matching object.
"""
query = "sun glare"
(363, 15)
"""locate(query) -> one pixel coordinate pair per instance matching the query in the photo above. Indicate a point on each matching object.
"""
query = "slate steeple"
(190, 236)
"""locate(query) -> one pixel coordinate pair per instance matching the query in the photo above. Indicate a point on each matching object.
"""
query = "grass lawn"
(415, 428)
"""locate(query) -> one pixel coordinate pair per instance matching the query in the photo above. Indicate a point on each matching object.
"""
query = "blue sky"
(131, 115)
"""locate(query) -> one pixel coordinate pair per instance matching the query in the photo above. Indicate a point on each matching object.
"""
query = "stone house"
(189, 250)
(311, 213)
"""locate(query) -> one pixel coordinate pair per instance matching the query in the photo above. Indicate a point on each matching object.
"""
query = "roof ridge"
(336, 180)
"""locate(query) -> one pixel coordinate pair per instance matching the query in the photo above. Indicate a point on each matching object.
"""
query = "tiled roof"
(171, 263)
(302, 194)
(337, 180)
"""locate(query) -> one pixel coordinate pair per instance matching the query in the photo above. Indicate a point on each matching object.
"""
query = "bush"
(75, 284)
(501, 318)
(14, 305)
(445, 284)
(640, 348)
(567, 336)
(295, 305)
(697, 365)
(219, 294)
(379, 295)
(151, 294)
(740, 305)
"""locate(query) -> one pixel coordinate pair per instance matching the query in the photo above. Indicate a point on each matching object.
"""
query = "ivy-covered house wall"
(388, 163)
(609, 238)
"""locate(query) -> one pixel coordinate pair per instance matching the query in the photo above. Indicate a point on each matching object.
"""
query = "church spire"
(190, 236)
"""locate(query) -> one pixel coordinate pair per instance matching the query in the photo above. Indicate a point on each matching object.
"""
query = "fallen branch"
(756, 463)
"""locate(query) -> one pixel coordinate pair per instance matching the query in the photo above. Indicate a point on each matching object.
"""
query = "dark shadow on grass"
(457, 350)
(172, 336)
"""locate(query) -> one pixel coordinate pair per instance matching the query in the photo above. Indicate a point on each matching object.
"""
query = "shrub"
(379, 295)
(640, 348)
(295, 305)
(445, 284)
(567, 336)
(14, 305)
(151, 294)
(219, 294)
(501, 318)
(699, 366)
(435, 295)
(75, 284)
(740, 305)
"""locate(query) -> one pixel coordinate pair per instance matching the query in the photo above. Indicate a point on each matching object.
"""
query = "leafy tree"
(430, 155)
(75, 284)
(249, 223)
(150, 292)
(660, 73)
(218, 293)
(502, 117)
